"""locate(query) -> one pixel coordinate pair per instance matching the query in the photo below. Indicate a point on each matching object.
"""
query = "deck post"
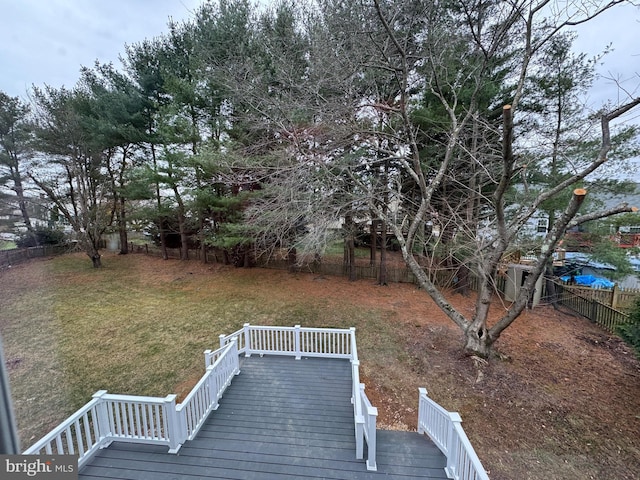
(247, 340)
(359, 437)
(207, 358)
(370, 413)
(452, 450)
(422, 395)
(174, 430)
(104, 428)
(222, 337)
(297, 342)
(234, 355)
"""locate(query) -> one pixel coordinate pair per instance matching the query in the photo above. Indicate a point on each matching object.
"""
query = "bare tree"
(413, 103)
(509, 26)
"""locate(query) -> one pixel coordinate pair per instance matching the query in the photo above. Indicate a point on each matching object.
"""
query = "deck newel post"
(247, 340)
(352, 342)
(174, 426)
(297, 342)
(207, 358)
(235, 356)
(222, 337)
(104, 429)
(422, 395)
(370, 416)
(452, 451)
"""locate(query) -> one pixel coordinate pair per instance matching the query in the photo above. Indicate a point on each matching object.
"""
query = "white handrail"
(82, 426)
(110, 417)
(292, 341)
(443, 427)
(205, 395)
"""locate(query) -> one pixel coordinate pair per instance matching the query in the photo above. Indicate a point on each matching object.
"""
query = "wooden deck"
(281, 418)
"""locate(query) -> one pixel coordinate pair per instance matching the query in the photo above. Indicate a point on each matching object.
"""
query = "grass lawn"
(563, 403)
(7, 245)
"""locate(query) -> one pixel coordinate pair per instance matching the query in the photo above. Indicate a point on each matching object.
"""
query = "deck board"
(281, 418)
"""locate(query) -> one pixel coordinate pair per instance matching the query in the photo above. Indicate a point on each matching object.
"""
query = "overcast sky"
(46, 41)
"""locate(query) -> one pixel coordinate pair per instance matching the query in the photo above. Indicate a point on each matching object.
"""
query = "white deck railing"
(129, 418)
(221, 366)
(364, 414)
(293, 341)
(443, 427)
(110, 417)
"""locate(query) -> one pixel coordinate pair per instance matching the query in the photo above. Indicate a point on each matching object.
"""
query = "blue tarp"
(589, 281)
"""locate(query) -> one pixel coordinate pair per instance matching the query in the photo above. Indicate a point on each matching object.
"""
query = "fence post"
(104, 428)
(614, 296)
(297, 342)
(422, 394)
(452, 450)
(247, 340)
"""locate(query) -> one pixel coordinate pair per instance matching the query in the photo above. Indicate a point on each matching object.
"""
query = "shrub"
(630, 332)
(43, 236)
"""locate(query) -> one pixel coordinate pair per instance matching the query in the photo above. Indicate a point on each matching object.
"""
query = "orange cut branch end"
(580, 192)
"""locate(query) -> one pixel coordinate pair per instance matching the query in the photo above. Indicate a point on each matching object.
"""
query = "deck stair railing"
(221, 366)
(364, 414)
(445, 430)
(109, 417)
(139, 419)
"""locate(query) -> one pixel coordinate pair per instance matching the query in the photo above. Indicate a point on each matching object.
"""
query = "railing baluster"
(87, 429)
(70, 449)
(78, 437)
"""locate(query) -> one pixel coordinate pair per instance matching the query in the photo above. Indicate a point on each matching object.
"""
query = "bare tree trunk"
(122, 228)
(22, 203)
(184, 237)
(373, 241)
(292, 259)
(203, 245)
(382, 279)
(163, 235)
(349, 247)
(90, 246)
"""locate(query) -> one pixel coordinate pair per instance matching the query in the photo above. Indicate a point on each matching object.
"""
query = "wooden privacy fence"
(607, 317)
(616, 298)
